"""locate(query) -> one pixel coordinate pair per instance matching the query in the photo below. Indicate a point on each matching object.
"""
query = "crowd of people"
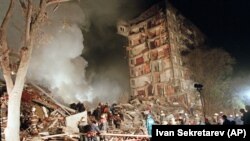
(102, 118)
(105, 117)
(242, 117)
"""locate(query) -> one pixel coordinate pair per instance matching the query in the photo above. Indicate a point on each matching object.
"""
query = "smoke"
(56, 61)
(108, 71)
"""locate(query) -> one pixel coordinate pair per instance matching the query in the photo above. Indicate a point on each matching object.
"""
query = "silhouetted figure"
(207, 122)
(243, 117)
(97, 113)
(247, 116)
(73, 106)
(93, 132)
(80, 107)
(117, 120)
(225, 120)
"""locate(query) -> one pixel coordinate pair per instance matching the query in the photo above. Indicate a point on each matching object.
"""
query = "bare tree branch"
(23, 4)
(55, 8)
(4, 50)
(50, 2)
(38, 16)
(7, 16)
(28, 21)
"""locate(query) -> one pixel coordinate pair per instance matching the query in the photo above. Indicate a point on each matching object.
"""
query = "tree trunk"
(13, 123)
(14, 103)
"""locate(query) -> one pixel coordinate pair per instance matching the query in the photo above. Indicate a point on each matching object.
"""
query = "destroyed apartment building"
(157, 39)
(159, 80)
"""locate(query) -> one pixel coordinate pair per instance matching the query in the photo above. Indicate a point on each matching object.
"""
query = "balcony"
(155, 22)
(137, 42)
(160, 52)
(142, 70)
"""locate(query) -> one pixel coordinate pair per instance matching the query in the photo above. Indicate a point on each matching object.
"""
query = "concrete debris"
(128, 106)
(135, 102)
(44, 118)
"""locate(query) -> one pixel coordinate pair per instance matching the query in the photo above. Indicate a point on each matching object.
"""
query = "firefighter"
(117, 120)
(110, 119)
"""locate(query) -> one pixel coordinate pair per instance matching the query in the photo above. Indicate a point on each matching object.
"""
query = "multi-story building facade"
(157, 39)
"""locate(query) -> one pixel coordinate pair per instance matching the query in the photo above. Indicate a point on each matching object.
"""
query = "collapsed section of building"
(157, 40)
(159, 80)
(41, 114)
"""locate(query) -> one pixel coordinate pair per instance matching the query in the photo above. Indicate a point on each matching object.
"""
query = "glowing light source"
(246, 94)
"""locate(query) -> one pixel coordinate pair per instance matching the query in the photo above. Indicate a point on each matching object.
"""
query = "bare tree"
(213, 69)
(35, 17)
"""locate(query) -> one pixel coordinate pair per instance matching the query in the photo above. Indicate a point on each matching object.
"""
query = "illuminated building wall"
(157, 39)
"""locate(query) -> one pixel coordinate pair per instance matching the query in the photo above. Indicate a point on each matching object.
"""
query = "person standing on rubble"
(117, 120)
(93, 132)
(110, 119)
(162, 117)
(103, 125)
(97, 113)
(247, 115)
(81, 127)
(149, 124)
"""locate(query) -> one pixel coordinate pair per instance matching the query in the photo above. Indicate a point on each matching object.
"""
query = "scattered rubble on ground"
(42, 117)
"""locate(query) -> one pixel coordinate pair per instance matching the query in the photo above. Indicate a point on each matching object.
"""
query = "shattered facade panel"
(156, 41)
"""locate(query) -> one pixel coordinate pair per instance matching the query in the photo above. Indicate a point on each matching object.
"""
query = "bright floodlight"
(245, 95)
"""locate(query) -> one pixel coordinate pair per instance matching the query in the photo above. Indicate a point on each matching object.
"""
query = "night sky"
(225, 23)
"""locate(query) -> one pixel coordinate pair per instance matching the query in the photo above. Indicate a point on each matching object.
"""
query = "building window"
(130, 52)
(141, 93)
(160, 90)
(139, 60)
(132, 82)
(122, 29)
(132, 62)
(132, 72)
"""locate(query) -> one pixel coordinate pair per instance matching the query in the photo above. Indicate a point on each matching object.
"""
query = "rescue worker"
(162, 117)
(110, 119)
(103, 124)
(117, 120)
(93, 133)
(149, 124)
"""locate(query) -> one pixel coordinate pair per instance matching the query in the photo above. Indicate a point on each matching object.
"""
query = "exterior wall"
(184, 36)
(156, 40)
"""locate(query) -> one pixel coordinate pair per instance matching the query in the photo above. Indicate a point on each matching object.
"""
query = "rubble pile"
(137, 109)
(43, 118)
(41, 114)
